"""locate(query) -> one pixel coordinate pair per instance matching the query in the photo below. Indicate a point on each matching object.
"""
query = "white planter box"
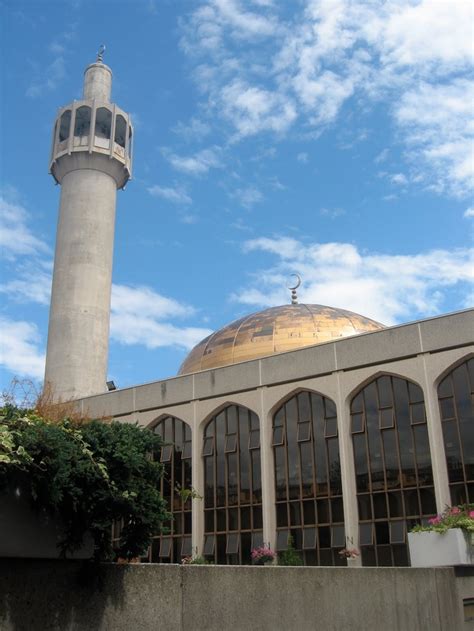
(432, 549)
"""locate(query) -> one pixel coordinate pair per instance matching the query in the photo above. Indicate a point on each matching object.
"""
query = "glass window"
(120, 130)
(391, 452)
(177, 476)
(307, 467)
(338, 536)
(233, 483)
(456, 401)
(103, 123)
(83, 121)
(65, 125)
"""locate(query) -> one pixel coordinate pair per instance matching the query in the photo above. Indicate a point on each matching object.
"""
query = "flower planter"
(433, 549)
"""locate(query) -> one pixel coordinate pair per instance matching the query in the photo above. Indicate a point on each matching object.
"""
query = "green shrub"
(87, 476)
(290, 556)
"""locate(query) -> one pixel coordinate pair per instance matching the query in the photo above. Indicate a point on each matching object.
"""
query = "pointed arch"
(308, 486)
(452, 367)
(232, 484)
(455, 389)
(274, 408)
(176, 458)
(227, 403)
(394, 477)
(379, 373)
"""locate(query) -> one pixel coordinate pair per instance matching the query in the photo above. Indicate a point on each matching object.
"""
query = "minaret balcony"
(94, 128)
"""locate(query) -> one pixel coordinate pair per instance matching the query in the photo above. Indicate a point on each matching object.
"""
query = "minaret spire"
(91, 159)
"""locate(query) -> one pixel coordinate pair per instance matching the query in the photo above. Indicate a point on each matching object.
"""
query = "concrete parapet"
(64, 596)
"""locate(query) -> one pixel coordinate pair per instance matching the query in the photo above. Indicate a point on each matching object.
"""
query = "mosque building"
(300, 421)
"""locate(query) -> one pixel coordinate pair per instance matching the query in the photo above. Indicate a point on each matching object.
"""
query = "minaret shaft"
(91, 158)
(80, 302)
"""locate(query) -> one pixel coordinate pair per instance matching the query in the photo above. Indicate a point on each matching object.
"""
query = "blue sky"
(329, 138)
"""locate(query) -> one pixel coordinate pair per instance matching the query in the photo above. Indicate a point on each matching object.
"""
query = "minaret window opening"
(232, 486)
(103, 124)
(130, 133)
(392, 457)
(82, 126)
(456, 403)
(308, 486)
(120, 131)
(65, 126)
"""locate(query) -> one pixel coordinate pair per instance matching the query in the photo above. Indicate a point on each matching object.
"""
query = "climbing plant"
(88, 476)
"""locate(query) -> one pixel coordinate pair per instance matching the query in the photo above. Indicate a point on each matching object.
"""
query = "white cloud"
(20, 349)
(469, 212)
(399, 178)
(333, 213)
(248, 196)
(174, 195)
(32, 284)
(139, 316)
(327, 52)
(49, 80)
(387, 288)
(252, 109)
(16, 238)
(197, 164)
(302, 157)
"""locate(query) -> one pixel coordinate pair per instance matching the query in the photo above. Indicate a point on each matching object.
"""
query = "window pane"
(257, 539)
(282, 540)
(384, 387)
(386, 418)
(338, 536)
(232, 544)
(304, 431)
(165, 548)
(209, 543)
(397, 532)
(418, 413)
(366, 534)
(231, 443)
(278, 435)
(186, 548)
(208, 447)
(331, 427)
(357, 423)
(309, 538)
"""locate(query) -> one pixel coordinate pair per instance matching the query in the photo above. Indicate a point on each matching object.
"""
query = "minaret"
(91, 159)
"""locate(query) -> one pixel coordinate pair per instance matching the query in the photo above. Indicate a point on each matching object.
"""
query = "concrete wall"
(63, 596)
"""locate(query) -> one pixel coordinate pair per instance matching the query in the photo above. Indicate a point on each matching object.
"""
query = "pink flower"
(435, 520)
(455, 511)
(471, 514)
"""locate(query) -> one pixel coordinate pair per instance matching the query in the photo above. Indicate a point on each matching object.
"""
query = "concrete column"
(435, 436)
(268, 474)
(198, 484)
(349, 488)
(78, 333)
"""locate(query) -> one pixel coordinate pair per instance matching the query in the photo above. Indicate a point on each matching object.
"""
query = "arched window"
(176, 458)
(83, 121)
(393, 467)
(308, 479)
(103, 123)
(120, 130)
(456, 401)
(232, 483)
(64, 125)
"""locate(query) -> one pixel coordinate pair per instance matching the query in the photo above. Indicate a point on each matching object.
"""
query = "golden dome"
(272, 331)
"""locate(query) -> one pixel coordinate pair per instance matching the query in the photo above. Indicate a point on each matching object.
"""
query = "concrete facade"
(62, 596)
(90, 159)
(422, 352)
